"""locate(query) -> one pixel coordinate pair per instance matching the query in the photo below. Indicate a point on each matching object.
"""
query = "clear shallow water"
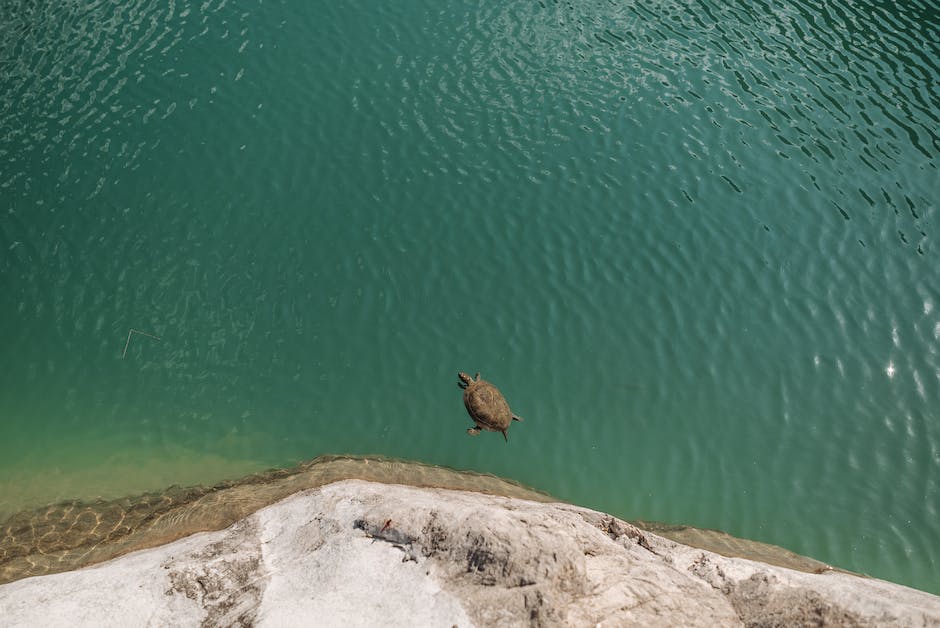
(694, 243)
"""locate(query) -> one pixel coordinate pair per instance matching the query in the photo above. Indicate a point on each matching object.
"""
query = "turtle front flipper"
(473, 431)
(504, 435)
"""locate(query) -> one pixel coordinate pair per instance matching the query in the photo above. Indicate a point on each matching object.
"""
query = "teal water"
(693, 243)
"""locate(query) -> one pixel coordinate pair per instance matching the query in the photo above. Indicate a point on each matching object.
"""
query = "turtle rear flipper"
(473, 431)
(517, 418)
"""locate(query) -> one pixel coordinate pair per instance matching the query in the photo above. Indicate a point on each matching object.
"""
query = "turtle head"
(465, 380)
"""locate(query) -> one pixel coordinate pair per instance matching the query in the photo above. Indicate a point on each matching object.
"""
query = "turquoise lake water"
(694, 243)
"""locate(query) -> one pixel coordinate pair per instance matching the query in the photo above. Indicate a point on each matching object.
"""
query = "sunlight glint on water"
(692, 243)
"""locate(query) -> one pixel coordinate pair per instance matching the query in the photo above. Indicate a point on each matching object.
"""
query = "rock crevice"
(360, 553)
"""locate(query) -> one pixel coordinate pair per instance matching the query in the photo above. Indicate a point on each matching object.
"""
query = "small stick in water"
(135, 331)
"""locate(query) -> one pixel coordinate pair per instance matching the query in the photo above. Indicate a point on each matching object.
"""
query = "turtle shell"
(486, 406)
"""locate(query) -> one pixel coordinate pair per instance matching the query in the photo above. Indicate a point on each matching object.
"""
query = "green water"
(693, 243)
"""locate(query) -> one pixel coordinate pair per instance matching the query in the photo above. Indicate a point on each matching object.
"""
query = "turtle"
(485, 405)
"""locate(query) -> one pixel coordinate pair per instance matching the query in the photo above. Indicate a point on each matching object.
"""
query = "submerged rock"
(75, 534)
(361, 553)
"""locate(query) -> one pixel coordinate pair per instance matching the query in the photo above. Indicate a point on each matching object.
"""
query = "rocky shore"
(356, 552)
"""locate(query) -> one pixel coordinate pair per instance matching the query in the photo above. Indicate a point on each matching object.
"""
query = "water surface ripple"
(692, 241)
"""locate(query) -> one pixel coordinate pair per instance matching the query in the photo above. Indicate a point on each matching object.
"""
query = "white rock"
(357, 553)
